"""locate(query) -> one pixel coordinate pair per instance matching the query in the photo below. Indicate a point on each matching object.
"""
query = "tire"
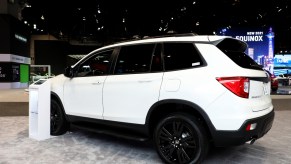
(180, 138)
(59, 124)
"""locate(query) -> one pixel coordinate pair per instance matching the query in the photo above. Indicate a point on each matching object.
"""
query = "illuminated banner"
(282, 64)
(260, 43)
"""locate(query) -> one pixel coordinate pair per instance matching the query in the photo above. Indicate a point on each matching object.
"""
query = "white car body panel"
(127, 98)
(83, 96)
(57, 86)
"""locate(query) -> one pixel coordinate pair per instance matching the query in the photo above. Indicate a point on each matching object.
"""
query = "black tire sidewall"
(63, 126)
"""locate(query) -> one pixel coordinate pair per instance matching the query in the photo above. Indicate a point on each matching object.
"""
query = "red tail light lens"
(237, 85)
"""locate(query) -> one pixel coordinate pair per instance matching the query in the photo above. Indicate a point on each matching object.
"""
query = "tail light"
(237, 85)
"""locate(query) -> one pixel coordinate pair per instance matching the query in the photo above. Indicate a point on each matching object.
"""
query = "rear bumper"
(230, 138)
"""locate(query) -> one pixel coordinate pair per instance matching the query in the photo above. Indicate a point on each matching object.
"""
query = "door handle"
(145, 80)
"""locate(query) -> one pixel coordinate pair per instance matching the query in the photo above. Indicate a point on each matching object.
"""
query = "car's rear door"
(135, 85)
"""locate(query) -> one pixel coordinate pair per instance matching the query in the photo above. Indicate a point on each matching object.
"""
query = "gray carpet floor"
(81, 147)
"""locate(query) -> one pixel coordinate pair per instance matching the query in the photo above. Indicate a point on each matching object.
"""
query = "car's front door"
(83, 92)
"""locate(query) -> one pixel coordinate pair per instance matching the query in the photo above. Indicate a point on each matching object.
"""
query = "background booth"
(14, 71)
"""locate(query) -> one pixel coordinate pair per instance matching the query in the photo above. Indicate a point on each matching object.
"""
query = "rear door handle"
(145, 80)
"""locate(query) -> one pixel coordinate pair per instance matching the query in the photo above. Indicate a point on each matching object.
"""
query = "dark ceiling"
(99, 20)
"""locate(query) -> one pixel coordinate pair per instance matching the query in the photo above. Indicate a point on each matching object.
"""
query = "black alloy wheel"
(59, 125)
(181, 139)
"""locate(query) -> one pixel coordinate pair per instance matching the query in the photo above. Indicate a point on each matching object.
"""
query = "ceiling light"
(27, 5)
(260, 15)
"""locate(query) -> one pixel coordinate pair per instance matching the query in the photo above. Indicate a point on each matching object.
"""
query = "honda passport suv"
(184, 92)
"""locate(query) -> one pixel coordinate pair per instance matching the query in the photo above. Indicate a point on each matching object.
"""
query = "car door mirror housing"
(69, 72)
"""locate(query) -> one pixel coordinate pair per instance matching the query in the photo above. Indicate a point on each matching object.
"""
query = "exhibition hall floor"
(78, 146)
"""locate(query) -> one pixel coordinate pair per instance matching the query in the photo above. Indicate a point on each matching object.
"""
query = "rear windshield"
(235, 50)
(243, 60)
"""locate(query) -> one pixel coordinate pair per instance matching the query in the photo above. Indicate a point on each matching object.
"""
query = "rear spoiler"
(231, 44)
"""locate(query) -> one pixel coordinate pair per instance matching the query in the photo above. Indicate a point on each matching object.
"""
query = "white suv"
(183, 92)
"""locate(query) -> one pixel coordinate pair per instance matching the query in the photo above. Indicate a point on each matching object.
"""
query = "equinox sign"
(250, 38)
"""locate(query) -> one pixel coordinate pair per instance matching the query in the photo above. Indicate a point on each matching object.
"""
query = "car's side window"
(98, 64)
(181, 56)
(134, 59)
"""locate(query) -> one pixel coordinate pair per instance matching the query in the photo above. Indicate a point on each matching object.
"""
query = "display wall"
(14, 53)
(55, 53)
(282, 64)
(15, 36)
(14, 71)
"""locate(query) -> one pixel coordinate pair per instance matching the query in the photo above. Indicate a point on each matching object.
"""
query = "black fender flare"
(195, 107)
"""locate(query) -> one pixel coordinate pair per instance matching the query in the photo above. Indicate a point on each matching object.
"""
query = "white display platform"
(39, 109)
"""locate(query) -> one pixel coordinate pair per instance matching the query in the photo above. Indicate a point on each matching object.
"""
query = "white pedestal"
(39, 109)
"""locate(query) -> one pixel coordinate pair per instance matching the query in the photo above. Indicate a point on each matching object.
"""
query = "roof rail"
(171, 35)
(138, 37)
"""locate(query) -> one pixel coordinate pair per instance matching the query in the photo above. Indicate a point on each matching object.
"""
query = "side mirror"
(69, 72)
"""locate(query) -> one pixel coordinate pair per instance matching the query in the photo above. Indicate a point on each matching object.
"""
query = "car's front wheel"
(180, 138)
(59, 124)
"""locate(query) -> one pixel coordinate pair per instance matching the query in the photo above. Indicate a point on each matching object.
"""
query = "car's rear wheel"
(180, 138)
(59, 124)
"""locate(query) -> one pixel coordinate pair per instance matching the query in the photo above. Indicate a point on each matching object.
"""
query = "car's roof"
(198, 38)
(174, 38)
